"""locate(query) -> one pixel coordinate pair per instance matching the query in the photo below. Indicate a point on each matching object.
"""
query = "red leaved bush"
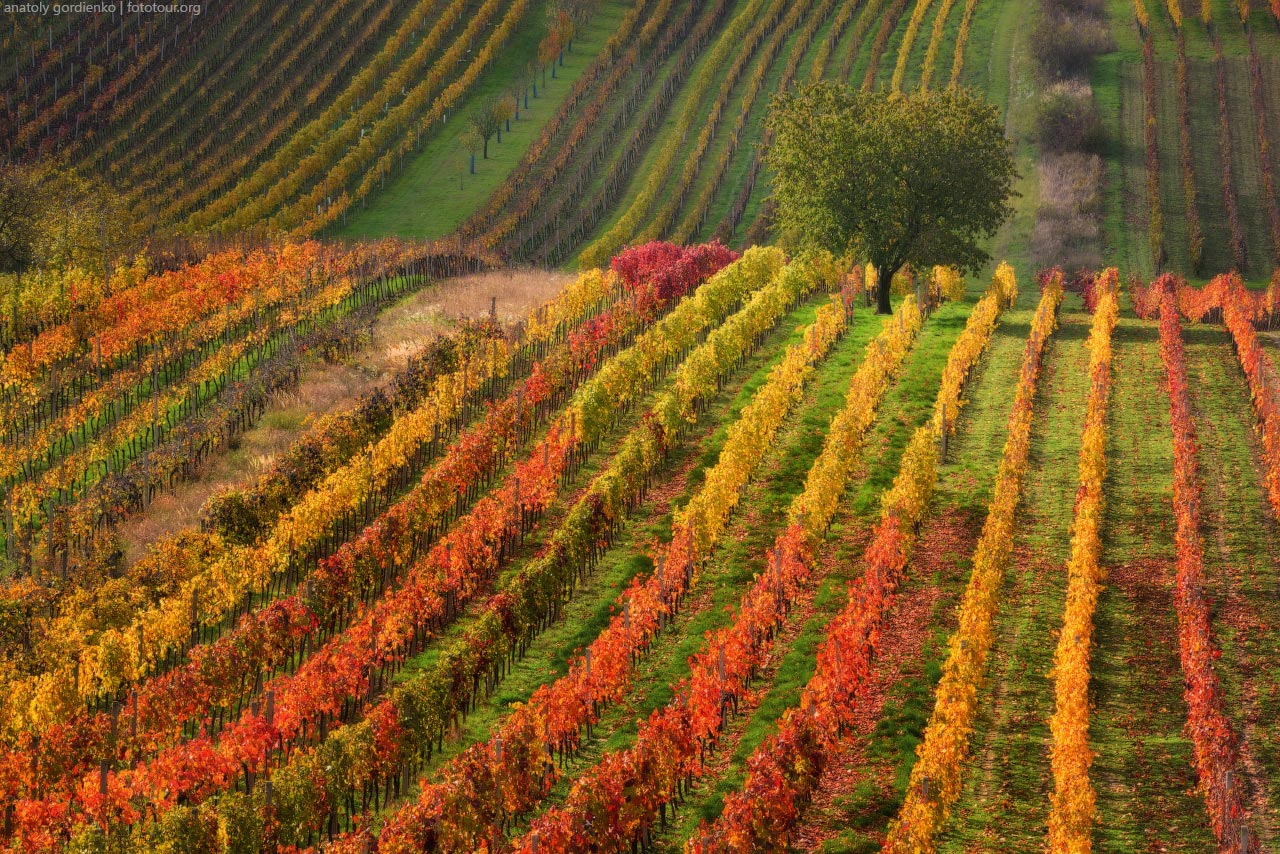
(1212, 738)
(669, 268)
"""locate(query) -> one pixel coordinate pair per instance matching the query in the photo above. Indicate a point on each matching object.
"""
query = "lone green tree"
(920, 179)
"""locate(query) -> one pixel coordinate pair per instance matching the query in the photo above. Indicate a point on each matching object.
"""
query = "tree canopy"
(920, 179)
(50, 217)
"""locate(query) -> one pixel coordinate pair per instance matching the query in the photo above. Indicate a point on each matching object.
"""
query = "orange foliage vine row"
(1073, 802)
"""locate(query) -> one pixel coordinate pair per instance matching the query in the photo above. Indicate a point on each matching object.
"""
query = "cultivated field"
(379, 481)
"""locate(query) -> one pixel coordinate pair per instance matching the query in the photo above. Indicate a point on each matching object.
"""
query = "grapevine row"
(228, 570)
(1195, 233)
(386, 70)
(935, 42)
(888, 23)
(784, 770)
(308, 61)
(695, 219)
(347, 671)
(1265, 156)
(555, 239)
(1155, 209)
(739, 39)
(161, 704)
(534, 596)
(1230, 199)
(761, 45)
(672, 744)
(1072, 805)
(398, 133)
(512, 203)
(962, 41)
(1212, 736)
(174, 444)
(935, 778)
(554, 718)
(908, 41)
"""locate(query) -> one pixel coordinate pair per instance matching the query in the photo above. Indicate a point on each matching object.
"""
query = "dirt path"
(399, 332)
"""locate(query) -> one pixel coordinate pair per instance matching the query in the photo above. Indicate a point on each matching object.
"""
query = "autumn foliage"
(937, 774)
(784, 770)
(371, 637)
(1072, 804)
(1213, 739)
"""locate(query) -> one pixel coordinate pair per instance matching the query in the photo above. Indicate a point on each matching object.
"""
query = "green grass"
(435, 191)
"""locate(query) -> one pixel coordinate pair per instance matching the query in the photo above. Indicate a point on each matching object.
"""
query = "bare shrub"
(1066, 119)
(1067, 230)
(1068, 35)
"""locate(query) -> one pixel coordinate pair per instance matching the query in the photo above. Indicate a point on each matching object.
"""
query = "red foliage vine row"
(1211, 733)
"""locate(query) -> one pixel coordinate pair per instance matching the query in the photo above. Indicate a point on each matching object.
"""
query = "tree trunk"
(486, 148)
(882, 295)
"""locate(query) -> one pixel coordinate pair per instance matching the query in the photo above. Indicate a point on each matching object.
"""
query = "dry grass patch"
(396, 335)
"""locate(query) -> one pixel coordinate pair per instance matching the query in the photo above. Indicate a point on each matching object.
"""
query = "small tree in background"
(548, 50)
(472, 140)
(485, 123)
(918, 179)
(502, 111)
(561, 24)
(520, 92)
